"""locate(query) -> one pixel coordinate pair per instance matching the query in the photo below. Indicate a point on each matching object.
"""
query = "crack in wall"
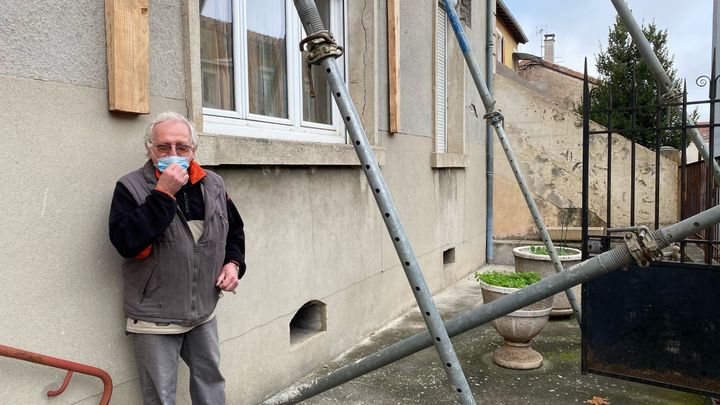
(365, 62)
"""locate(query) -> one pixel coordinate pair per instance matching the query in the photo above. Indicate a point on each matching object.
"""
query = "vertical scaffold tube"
(310, 18)
(496, 121)
(603, 263)
(663, 80)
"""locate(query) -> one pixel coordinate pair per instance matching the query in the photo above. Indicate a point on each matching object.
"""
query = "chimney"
(549, 46)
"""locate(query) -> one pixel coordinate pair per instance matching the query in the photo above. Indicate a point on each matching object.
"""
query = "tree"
(619, 66)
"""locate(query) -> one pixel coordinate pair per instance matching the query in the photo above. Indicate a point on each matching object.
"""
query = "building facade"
(322, 271)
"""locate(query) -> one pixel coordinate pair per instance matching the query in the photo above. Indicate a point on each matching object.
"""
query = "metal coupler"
(640, 243)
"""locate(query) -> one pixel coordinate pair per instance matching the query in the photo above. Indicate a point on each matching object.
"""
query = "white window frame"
(243, 123)
(500, 47)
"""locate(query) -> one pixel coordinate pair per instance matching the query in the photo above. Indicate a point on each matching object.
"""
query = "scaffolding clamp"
(642, 246)
(315, 48)
(493, 116)
(319, 46)
(673, 95)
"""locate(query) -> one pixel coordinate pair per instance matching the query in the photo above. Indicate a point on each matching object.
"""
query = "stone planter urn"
(526, 261)
(517, 329)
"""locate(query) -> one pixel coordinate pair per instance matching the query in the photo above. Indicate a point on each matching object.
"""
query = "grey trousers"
(157, 363)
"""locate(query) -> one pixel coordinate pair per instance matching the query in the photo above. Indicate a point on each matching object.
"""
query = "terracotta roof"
(704, 129)
(510, 22)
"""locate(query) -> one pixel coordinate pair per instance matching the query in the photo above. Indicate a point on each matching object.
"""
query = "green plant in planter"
(542, 250)
(509, 280)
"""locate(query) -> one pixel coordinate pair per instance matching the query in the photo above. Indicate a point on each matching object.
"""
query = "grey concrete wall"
(547, 139)
(559, 87)
(313, 232)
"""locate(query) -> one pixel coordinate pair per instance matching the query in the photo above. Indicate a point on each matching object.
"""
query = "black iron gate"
(658, 325)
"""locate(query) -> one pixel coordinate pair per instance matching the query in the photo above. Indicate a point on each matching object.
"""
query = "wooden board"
(128, 42)
(393, 24)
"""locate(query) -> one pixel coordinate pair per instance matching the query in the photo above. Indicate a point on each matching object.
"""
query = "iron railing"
(70, 366)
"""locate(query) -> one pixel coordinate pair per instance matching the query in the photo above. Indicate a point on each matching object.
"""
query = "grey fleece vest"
(176, 282)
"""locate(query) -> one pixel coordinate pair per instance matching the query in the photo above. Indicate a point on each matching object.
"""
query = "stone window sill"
(449, 160)
(218, 150)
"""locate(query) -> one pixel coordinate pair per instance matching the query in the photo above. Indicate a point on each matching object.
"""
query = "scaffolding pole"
(495, 118)
(606, 262)
(322, 50)
(666, 86)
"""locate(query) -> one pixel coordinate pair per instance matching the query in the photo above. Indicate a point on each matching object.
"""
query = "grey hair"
(169, 116)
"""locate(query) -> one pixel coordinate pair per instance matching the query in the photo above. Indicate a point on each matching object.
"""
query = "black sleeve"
(134, 227)
(235, 244)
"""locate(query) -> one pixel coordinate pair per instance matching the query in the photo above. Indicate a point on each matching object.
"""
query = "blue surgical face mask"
(164, 162)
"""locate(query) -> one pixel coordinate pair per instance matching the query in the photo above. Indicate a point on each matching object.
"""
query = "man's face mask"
(164, 162)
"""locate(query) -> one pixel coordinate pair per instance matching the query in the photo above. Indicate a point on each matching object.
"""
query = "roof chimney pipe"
(549, 46)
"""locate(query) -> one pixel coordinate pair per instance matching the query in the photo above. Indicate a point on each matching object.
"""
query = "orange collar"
(195, 171)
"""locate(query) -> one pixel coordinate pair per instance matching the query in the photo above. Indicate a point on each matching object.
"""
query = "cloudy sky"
(581, 30)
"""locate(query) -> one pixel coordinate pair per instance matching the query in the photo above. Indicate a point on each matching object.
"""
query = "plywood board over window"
(393, 21)
(128, 41)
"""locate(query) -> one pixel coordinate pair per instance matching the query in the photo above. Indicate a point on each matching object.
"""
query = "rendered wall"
(313, 230)
(547, 140)
(559, 87)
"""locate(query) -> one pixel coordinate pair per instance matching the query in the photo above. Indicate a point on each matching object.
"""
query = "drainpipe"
(489, 138)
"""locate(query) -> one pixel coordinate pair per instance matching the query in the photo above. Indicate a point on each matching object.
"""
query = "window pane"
(216, 54)
(267, 64)
(319, 107)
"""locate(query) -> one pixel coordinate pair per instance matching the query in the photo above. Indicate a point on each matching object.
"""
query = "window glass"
(216, 54)
(266, 58)
(317, 105)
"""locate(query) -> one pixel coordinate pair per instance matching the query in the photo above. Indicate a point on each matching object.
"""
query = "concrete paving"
(419, 379)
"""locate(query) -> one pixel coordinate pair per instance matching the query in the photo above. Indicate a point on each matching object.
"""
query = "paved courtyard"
(419, 379)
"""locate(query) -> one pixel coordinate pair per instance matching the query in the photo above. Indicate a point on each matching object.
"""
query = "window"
(441, 33)
(500, 48)
(254, 81)
(449, 78)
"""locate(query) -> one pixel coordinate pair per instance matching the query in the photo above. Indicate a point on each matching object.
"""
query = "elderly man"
(184, 244)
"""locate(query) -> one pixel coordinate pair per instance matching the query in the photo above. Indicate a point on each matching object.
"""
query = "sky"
(581, 29)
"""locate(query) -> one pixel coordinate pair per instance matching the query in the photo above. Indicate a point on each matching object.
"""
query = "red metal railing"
(71, 367)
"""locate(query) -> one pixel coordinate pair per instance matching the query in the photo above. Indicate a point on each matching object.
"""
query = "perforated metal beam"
(495, 119)
(604, 263)
(310, 18)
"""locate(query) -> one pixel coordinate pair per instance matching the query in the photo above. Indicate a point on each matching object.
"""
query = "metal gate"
(658, 325)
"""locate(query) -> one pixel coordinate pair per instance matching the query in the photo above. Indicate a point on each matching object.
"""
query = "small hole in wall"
(449, 256)
(309, 321)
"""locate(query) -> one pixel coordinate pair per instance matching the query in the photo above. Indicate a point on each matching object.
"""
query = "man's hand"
(172, 179)
(228, 279)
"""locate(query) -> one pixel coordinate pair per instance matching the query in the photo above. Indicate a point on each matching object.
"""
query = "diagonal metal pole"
(317, 33)
(606, 262)
(665, 85)
(495, 119)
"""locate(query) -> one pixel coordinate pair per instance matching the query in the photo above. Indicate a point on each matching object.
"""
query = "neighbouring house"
(508, 34)
(538, 99)
(322, 271)
(546, 137)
